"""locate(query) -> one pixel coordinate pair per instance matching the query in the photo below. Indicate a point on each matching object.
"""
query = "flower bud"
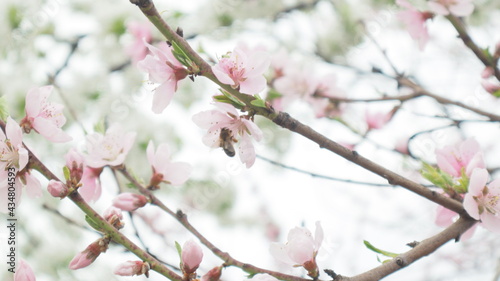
(74, 162)
(191, 257)
(24, 272)
(130, 201)
(57, 189)
(213, 275)
(114, 217)
(90, 254)
(131, 268)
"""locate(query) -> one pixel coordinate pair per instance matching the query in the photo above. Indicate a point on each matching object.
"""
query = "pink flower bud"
(24, 272)
(114, 217)
(131, 268)
(57, 189)
(130, 201)
(191, 256)
(74, 162)
(487, 72)
(89, 255)
(213, 275)
(490, 87)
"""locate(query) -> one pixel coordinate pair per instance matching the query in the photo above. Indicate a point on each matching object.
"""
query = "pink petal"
(255, 131)
(253, 85)
(14, 132)
(150, 152)
(318, 236)
(470, 206)
(222, 76)
(163, 95)
(178, 173)
(278, 251)
(23, 157)
(24, 272)
(491, 222)
(161, 158)
(50, 131)
(33, 186)
(246, 151)
(462, 10)
(478, 180)
(209, 118)
(438, 8)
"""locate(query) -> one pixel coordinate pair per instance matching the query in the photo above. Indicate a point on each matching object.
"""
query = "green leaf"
(496, 93)
(180, 55)
(258, 102)
(463, 183)
(14, 17)
(232, 99)
(273, 94)
(66, 172)
(179, 249)
(377, 250)
(437, 177)
(4, 112)
(92, 223)
(100, 127)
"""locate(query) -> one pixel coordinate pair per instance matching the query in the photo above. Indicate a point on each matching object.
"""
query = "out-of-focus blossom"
(191, 256)
(57, 189)
(174, 173)
(487, 72)
(24, 272)
(243, 68)
(109, 149)
(44, 117)
(141, 31)
(163, 68)
(301, 249)
(491, 87)
(129, 201)
(401, 146)
(131, 268)
(295, 84)
(226, 127)
(461, 8)
(12, 151)
(482, 201)
(465, 156)
(415, 22)
(376, 120)
(327, 88)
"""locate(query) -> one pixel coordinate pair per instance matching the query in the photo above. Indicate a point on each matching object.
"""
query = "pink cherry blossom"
(191, 256)
(376, 120)
(163, 68)
(239, 129)
(57, 189)
(44, 117)
(415, 21)
(91, 184)
(465, 156)
(114, 216)
(75, 162)
(12, 151)
(301, 248)
(131, 268)
(461, 8)
(445, 217)
(24, 272)
(129, 201)
(23, 180)
(174, 173)
(141, 31)
(482, 201)
(244, 69)
(109, 149)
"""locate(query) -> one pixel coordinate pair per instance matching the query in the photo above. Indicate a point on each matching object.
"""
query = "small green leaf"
(437, 177)
(100, 127)
(496, 93)
(273, 94)
(66, 172)
(92, 223)
(4, 112)
(233, 100)
(222, 98)
(180, 55)
(179, 249)
(259, 102)
(377, 250)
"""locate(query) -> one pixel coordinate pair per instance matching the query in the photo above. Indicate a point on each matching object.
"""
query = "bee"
(226, 141)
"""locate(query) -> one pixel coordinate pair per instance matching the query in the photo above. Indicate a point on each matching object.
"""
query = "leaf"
(231, 99)
(92, 223)
(377, 250)
(181, 56)
(496, 93)
(179, 249)
(258, 102)
(66, 172)
(437, 177)
(100, 127)
(4, 112)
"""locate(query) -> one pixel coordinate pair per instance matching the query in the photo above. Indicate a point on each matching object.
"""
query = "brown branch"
(286, 121)
(424, 248)
(462, 33)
